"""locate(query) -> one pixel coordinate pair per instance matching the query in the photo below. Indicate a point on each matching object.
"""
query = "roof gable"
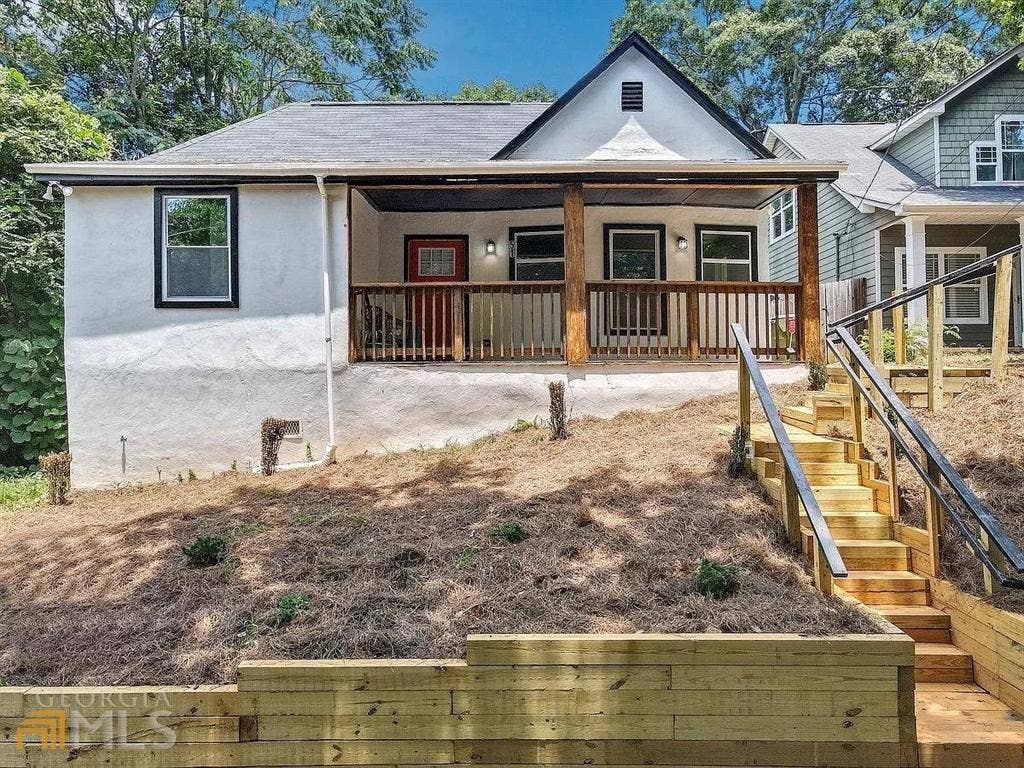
(677, 115)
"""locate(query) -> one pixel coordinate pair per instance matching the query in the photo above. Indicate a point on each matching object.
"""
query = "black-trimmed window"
(726, 253)
(635, 252)
(196, 262)
(536, 253)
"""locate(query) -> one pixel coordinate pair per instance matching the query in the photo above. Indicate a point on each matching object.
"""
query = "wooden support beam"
(810, 300)
(899, 336)
(577, 347)
(1001, 317)
(936, 364)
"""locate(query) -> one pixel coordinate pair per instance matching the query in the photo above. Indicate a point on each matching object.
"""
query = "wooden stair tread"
(962, 716)
(921, 616)
(939, 650)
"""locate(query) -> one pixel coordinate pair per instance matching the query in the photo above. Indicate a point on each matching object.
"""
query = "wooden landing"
(960, 725)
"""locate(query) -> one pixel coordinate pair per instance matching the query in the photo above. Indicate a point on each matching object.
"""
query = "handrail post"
(899, 337)
(1001, 317)
(894, 481)
(876, 346)
(933, 516)
(992, 587)
(936, 366)
(458, 325)
(790, 506)
(693, 323)
(822, 575)
(744, 391)
(857, 408)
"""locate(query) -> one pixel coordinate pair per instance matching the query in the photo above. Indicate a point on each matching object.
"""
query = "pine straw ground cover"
(397, 557)
(982, 433)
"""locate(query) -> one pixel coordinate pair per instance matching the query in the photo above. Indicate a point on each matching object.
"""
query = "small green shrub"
(817, 376)
(18, 491)
(510, 531)
(192, 476)
(737, 463)
(915, 342)
(56, 468)
(309, 452)
(522, 425)
(290, 605)
(715, 580)
(206, 551)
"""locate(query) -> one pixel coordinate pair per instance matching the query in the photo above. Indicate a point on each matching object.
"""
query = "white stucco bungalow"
(402, 274)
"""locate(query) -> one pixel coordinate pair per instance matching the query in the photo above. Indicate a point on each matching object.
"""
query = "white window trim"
(548, 260)
(654, 230)
(165, 245)
(781, 213)
(997, 142)
(901, 278)
(734, 233)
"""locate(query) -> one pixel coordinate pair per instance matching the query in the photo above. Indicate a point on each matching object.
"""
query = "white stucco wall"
(670, 117)
(188, 388)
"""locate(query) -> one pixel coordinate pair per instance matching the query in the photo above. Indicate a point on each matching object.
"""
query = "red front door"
(434, 260)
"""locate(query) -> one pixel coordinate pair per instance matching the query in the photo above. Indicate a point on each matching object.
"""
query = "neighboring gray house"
(945, 186)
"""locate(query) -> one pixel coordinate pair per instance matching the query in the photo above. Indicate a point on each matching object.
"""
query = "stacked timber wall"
(619, 700)
(994, 638)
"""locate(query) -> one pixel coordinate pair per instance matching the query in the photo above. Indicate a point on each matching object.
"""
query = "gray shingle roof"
(361, 131)
(877, 178)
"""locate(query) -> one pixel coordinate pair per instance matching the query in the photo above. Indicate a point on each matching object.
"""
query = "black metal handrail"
(969, 272)
(983, 517)
(787, 453)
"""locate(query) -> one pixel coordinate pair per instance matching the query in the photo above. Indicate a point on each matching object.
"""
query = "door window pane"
(436, 262)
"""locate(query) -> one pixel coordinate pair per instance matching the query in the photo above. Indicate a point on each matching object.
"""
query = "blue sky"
(522, 41)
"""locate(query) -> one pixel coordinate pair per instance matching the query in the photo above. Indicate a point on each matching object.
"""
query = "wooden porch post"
(810, 304)
(577, 347)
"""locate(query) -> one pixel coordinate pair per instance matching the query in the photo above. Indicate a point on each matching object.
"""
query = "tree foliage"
(157, 72)
(36, 125)
(816, 60)
(502, 90)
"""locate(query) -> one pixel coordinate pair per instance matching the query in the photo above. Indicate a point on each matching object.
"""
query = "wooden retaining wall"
(616, 700)
(995, 639)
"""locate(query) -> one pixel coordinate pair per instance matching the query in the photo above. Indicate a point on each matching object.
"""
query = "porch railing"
(480, 321)
(690, 320)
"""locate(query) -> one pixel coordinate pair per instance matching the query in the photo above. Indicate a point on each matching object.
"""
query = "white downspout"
(325, 231)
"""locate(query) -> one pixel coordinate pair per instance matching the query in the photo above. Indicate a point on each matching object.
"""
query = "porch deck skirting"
(526, 320)
(681, 700)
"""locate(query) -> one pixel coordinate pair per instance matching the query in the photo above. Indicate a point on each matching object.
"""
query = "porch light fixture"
(48, 194)
(490, 249)
(681, 243)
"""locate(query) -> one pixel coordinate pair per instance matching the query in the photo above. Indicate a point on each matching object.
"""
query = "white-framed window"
(196, 248)
(966, 303)
(1000, 159)
(783, 219)
(635, 252)
(727, 253)
(436, 262)
(536, 253)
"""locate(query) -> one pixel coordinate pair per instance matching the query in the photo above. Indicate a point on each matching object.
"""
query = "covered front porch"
(575, 271)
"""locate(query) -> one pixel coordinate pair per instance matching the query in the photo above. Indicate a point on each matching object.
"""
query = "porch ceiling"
(490, 198)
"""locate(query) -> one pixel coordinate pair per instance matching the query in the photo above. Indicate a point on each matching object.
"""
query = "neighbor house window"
(1000, 161)
(727, 253)
(783, 221)
(196, 250)
(536, 253)
(635, 252)
(966, 303)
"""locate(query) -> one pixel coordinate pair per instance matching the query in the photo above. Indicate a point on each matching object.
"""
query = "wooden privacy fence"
(842, 298)
(628, 700)
(690, 320)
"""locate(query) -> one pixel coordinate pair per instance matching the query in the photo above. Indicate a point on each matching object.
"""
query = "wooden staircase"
(854, 503)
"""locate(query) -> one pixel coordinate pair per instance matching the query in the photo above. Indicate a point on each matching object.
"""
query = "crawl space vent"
(632, 97)
(292, 428)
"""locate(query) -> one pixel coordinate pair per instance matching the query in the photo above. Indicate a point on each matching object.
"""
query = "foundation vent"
(292, 428)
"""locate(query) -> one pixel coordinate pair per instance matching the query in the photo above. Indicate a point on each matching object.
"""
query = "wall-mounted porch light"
(681, 243)
(490, 249)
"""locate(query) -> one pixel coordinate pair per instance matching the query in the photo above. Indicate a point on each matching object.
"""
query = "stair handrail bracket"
(794, 479)
(856, 364)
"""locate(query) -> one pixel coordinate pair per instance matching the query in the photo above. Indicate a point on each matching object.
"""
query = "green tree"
(815, 60)
(157, 72)
(36, 125)
(502, 90)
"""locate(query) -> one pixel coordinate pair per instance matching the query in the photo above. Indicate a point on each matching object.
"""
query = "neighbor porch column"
(917, 310)
(577, 347)
(810, 299)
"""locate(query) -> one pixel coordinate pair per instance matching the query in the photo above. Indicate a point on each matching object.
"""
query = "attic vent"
(292, 428)
(632, 97)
